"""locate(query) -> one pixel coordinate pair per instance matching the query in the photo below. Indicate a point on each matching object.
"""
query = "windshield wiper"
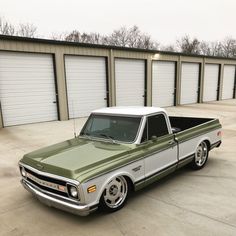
(108, 137)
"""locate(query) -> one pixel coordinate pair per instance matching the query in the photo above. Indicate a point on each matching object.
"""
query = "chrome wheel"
(115, 192)
(201, 154)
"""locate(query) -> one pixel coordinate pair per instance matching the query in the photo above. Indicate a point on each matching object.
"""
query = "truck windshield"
(114, 128)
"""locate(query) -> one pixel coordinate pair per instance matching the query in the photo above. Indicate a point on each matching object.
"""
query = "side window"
(157, 126)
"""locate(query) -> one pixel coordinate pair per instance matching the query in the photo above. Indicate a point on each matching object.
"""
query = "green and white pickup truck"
(119, 150)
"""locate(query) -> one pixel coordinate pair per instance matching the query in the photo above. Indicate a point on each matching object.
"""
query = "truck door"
(160, 148)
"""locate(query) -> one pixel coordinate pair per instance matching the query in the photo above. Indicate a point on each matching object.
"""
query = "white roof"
(128, 110)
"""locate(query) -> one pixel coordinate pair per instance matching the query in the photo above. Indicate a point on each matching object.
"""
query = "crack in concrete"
(193, 212)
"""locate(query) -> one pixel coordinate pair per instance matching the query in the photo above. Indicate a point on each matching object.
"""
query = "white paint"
(27, 88)
(163, 83)
(86, 84)
(189, 83)
(211, 77)
(130, 110)
(228, 82)
(188, 147)
(129, 79)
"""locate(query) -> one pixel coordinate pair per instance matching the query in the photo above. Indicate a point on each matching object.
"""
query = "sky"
(165, 20)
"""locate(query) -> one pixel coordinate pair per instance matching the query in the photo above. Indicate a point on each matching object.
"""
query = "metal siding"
(86, 84)
(129, 79)
(210, 87)
(163, 83)
(27, 88)
(228, 82)
(189, 83)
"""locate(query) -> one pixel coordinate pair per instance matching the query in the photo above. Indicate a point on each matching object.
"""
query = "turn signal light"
(219, 133)
(91, 189)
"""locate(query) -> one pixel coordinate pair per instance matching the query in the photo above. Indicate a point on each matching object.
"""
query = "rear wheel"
(201, 156)
(115, 194)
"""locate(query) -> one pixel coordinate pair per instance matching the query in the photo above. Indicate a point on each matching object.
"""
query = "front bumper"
(81, 210)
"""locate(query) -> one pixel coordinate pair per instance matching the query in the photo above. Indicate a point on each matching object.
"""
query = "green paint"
(84, 159)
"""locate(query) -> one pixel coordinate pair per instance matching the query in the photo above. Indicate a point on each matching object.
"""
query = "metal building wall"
(60, 49)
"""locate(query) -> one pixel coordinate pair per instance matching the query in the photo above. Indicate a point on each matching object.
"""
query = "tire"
(115, 194)
(201, 156)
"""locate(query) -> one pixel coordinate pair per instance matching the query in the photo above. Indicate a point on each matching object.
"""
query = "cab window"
(155, 126)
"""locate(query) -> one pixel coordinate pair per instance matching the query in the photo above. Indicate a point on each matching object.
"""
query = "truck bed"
(179, 123)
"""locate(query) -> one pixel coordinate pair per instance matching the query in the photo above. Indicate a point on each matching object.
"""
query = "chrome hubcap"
(201, 154)
(115, 192)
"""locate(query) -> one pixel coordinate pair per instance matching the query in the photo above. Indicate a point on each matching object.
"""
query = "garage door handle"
(105, 98)
(54, 101)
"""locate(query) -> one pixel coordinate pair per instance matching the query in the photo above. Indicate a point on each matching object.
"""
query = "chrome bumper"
(81, 210)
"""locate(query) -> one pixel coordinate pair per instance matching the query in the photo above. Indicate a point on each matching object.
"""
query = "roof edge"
(110, 47)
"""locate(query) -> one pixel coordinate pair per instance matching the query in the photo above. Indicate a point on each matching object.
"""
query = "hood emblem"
(39, 166)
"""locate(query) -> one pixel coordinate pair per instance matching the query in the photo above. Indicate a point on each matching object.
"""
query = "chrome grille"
(48, 184)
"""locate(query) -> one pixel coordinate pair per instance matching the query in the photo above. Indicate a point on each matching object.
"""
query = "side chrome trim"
(75, 182)
(82, 210)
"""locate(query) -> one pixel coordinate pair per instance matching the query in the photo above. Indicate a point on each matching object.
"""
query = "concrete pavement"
(185, 203)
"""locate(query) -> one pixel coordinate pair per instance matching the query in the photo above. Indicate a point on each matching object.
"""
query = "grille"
(47, 183)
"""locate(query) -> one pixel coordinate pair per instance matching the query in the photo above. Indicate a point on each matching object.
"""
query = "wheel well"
(130, 182)
(208, 144)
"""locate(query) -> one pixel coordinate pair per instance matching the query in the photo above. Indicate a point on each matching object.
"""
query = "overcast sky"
(164, 20)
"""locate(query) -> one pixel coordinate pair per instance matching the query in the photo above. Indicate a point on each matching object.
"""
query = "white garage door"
(189, 83)
(130, 78)
(27, 88)
(228, 82)
(86, 84)
(163, 83)
(211, 77)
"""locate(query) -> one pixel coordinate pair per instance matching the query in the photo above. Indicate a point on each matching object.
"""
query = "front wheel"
(201, 156)
(115, 194)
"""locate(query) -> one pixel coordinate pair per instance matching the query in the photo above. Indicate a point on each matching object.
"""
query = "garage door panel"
(189, 83)
(228, 82)
(211, 77)
(86, 84)
(163, 83)
(27, 88)
(130, 79)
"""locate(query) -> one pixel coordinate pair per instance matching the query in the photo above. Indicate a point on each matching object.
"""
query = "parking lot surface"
(185, 203)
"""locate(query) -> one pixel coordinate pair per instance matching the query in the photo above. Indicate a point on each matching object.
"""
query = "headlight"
(73, 191)
(23, 172)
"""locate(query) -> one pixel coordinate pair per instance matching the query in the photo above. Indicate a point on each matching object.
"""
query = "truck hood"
(74, 157)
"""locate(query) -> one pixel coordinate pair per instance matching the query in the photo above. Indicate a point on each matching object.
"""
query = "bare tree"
(27, 30)
(169, 48)
(132, 37)
(229, 47)
(6, 28)
(188, 45)
(124, 37)
(58, 36)
(76, 36)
